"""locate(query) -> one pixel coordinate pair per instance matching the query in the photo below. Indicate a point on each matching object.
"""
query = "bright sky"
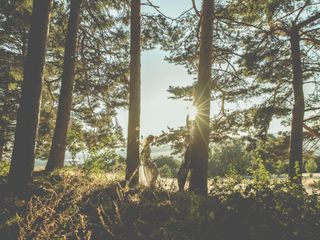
(157, 111)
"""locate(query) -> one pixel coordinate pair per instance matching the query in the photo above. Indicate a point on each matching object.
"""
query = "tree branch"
(165, 16)
(308, 21)
(301, 10)
(311, 131)
(195, 8)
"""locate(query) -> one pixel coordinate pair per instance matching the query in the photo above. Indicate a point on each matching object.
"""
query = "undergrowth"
(69, 204)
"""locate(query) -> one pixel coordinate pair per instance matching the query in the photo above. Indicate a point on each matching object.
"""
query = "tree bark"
(58, 147)
(200, 145)
(1, 151)
(23, 156)
(296, 141)
(134, 98)
(2, 143)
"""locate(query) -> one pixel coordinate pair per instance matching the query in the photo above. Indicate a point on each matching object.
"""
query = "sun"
(192, 112)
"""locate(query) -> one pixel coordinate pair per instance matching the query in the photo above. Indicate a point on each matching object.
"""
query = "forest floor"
(69, 204)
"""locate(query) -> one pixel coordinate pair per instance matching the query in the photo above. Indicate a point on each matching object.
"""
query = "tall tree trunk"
(58, 147)
(23, 156)
(134, 100)
(296, 140)
(2, 143)
(200, 145)
(1, 151)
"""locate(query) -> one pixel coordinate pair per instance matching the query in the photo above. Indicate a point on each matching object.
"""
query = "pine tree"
(134, 98)
(23, 156)
(200, 144)
(58, 147)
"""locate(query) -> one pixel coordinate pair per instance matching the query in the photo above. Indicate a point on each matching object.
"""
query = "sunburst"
(201, 117)
(192, 112)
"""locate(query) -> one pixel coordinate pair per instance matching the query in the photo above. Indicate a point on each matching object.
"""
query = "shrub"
(165, 171)
(56, 214)
(281, 167)
(311, 165)
(168, 164)
(273, 151)
(223, 156)
(4, 168)
(102, 161)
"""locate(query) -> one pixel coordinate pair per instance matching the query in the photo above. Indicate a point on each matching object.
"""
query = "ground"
(69, 204)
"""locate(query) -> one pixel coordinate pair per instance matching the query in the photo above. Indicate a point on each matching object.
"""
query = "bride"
(148, 171)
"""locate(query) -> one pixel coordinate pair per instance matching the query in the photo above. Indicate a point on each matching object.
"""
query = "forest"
(244, 165)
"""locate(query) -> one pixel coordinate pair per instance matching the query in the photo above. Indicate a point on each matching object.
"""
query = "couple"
(148, 171)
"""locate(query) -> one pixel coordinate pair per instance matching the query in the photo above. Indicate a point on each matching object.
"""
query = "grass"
(69, 204)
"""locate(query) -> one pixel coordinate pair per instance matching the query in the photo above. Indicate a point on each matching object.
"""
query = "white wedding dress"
(147, 169)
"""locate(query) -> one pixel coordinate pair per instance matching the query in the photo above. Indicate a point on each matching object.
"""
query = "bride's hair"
(149, 139)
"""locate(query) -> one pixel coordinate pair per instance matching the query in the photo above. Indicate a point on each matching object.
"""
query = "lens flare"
(192, 112)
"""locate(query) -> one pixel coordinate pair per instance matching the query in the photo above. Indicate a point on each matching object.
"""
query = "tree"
(58, 147)
(2, 142)
(23, 156)
(14, 24)
(296, 142)
(182, 42)
(102, 71)
(279, 54)
(200, 145)
(134, 97)
(253, 65)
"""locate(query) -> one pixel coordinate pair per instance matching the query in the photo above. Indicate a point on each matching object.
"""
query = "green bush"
(224, 155)
(4, 168)
(165, 171)
(102, 161)
(260, 175)
(273, 151)
(311, 165)
(168, 164)
(281, 167)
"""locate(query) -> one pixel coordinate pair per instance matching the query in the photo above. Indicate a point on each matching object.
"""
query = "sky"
(157, 111)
